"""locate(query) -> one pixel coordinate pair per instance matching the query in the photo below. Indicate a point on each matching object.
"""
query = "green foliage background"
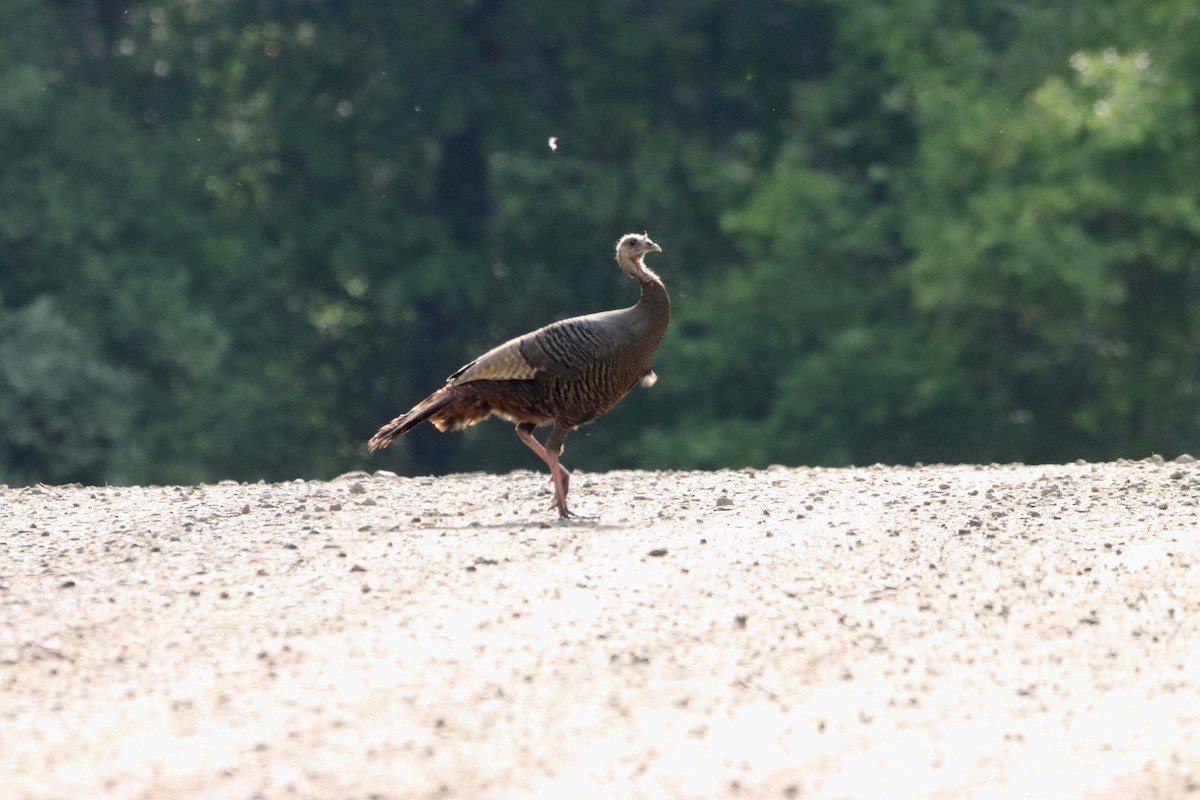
(237, 237)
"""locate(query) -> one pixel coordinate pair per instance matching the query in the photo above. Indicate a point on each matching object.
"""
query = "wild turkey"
(565, 374)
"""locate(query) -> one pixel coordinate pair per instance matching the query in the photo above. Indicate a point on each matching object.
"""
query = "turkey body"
(565, 374)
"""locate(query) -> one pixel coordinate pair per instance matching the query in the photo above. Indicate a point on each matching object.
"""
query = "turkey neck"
(654, 300)
(650, 316)
(655, 303)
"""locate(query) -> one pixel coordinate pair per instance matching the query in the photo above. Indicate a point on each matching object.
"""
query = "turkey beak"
(651, 247)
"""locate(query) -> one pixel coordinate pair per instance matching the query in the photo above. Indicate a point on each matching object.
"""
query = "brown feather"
(565, 374)
(453, 408)
(504, 362)
(410, 419)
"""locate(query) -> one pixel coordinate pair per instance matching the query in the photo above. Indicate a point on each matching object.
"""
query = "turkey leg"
(550, 454)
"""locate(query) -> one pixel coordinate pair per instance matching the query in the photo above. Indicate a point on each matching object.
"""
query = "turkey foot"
(549, 454)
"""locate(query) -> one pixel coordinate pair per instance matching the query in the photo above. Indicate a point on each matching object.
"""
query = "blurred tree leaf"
(64, 413)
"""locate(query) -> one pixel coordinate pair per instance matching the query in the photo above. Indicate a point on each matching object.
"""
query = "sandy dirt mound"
(943, 631)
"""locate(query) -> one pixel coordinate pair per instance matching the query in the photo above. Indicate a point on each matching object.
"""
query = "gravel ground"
(943, 631)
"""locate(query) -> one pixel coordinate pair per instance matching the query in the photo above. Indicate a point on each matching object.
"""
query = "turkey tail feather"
(411, 419)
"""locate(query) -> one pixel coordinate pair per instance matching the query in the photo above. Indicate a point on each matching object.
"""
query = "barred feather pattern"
(570, 372)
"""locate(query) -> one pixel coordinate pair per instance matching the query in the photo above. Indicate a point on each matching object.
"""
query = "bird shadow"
(573, 523)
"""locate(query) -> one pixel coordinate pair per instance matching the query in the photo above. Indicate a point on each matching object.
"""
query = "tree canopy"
(237, 237)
